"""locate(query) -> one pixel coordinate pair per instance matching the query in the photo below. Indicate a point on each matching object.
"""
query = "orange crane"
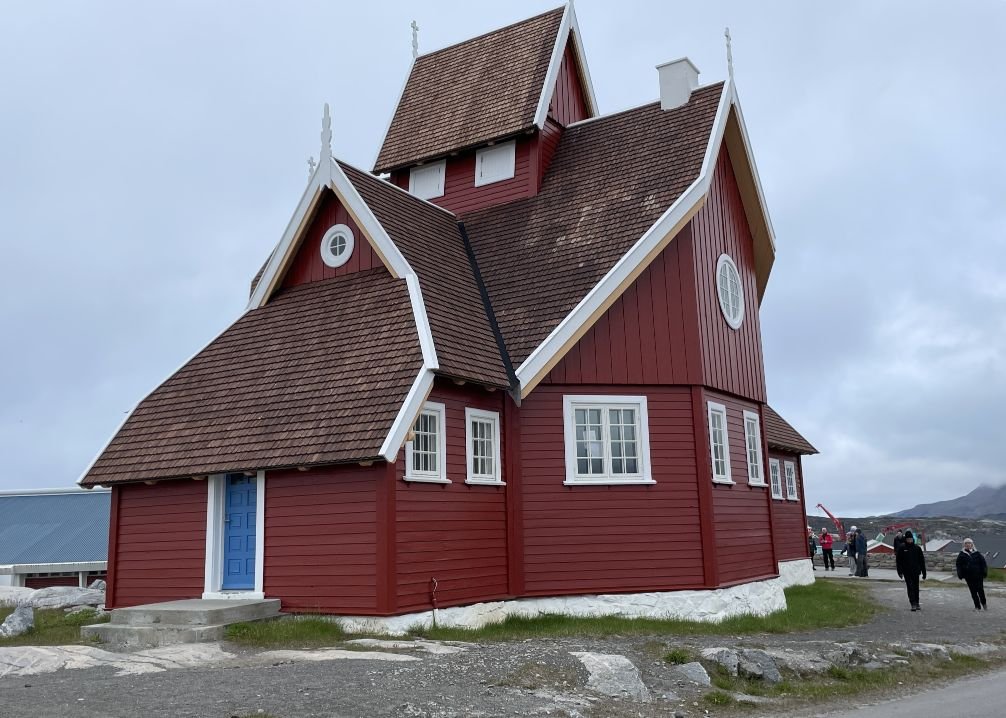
(838, 524)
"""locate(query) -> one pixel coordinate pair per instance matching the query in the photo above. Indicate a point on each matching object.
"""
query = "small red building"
(520, 360)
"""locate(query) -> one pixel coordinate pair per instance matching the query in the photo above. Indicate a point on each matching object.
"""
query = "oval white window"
(728, 286)
(337, 245)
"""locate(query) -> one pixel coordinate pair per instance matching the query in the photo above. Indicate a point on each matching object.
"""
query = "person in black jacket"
(911, 562)
(899, 541)
(972, 567)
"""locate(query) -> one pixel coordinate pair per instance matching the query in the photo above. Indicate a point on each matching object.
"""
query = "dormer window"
(495, 163)
(427, 181)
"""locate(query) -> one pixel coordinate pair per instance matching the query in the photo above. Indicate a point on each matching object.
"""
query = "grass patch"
(308, 632)
(824, 604)
(718, 698)
(997, 575)
(678, 656)
(53, 627)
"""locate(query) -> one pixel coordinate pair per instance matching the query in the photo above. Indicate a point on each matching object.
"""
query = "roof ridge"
(635, 108)
(383, 181)
(490, 32)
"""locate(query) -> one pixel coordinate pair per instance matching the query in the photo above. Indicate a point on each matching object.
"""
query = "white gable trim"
(568, 24)
(394, 111)
(407, 414)
(754, 168)
(422, 323)
(631, 264)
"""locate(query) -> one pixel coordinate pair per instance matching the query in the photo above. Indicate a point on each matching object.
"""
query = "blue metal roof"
(54, 528)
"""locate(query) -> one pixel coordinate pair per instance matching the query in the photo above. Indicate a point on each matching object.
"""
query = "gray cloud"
(153, 154)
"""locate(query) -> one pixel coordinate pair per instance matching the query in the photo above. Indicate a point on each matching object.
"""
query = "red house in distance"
(517, 367)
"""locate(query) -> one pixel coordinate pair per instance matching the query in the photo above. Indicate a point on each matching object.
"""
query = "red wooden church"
(520, 359)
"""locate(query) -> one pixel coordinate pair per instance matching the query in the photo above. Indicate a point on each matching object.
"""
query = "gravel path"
(528, 678)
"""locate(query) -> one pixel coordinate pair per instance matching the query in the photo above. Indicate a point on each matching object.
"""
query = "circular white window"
(337, 245)
(728, 286)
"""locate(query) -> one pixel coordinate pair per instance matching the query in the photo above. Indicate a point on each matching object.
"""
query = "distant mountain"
(983, 501)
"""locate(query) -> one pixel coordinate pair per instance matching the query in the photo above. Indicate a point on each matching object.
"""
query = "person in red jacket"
(827, 542)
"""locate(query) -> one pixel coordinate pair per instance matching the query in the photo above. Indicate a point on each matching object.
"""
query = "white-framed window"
(426, 451)
(337, 245)
(752, 442)
(790, 469)
(607, 440)
(495, 163)
(719, 443)
(730, 291)
(482, 437)
(427, 181)
(773, 470)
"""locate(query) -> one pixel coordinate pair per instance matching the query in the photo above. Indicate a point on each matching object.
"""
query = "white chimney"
(677, 80)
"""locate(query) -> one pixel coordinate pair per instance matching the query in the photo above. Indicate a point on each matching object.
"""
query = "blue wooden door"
(239, 532)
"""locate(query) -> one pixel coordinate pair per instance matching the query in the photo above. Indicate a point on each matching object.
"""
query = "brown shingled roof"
(471, 93)
(780, 435)
(316, 376)
(431, 242)
(610, 180)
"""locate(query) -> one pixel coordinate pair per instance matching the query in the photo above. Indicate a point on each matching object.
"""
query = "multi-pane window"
(791, 494)
(773, 470)
(606, 440)
(425, 452)
(752, 442)
(730, 291)
(483, 439)
(719, 443)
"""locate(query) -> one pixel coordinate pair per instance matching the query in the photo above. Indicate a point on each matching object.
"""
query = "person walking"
(972, 567)
(862, 567)
(827, 550)
(911, 563)
(850, 550)
(812, 545)
(899, 540)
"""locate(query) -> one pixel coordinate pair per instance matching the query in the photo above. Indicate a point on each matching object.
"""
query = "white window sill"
(777, 498)
(485, 482)
(761, 485)
(609, 482)
(425, 480)
(792, 499)
(724, 482)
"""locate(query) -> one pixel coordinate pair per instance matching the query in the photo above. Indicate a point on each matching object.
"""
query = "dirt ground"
(529, 678)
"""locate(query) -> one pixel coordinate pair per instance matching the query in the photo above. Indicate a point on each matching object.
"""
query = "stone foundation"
(758, 598)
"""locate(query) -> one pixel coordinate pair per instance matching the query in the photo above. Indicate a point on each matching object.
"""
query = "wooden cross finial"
(326, 134)
(311, 164)
(415, 40)
(730, 55)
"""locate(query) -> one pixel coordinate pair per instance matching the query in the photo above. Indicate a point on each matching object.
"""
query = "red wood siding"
(321, 538)
(744, 540)
(568, 103)
(789, 517)
(455, 533)
(307, 265)
(161, 548)
(460, 193)
(648, 336)
(37, 582)
(731, 359)
(585, 539)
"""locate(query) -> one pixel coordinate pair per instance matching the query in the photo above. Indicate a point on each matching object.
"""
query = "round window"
(731, 293)
(337, 245)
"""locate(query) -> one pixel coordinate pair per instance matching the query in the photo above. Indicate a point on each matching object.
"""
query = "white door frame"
(216, 501)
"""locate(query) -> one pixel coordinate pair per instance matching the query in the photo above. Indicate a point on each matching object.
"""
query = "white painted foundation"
(758, 598)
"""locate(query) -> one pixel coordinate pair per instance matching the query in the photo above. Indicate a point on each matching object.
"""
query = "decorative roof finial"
(311, 164)
(415, 40)
(730, 55)
(326, 135)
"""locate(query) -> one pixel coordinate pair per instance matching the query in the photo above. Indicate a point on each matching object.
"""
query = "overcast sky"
(151, 156)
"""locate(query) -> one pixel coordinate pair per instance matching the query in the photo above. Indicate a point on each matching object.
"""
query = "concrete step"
(151, 636)
(196, 612)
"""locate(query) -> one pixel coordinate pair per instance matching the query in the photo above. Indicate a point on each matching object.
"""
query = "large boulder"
(66, 597)
(758, 665)
(15, 595)
(19, 622)
(725, 657)
(695, 672)
(613, 675)
(97, 584)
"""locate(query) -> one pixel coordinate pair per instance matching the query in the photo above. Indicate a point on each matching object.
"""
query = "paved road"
(981, 697)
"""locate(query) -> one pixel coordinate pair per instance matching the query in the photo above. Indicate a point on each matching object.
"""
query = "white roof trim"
(754, 168)
(582, 57)
(19, 568)
(52, 492)
(406, 417)
(394, 111)
(422, 322)
(532, 369)
(567, 25)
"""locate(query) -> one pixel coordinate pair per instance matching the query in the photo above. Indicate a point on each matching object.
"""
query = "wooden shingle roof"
(469, 94)
(609, 181)
(315, 376)
(781, 435)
